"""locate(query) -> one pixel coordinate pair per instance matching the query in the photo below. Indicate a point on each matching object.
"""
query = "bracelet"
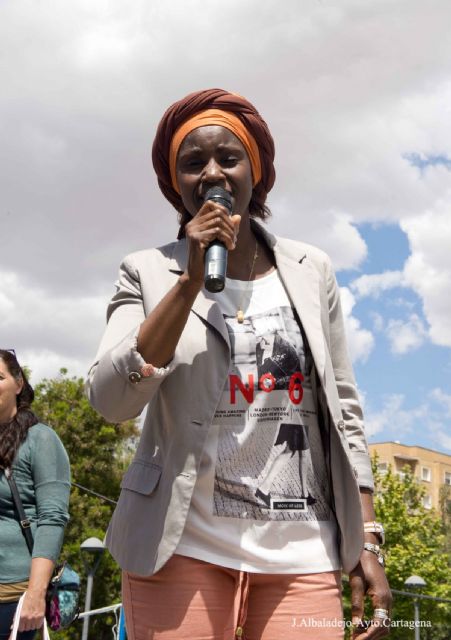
(375, 527)
(147, 371)
(375, 548)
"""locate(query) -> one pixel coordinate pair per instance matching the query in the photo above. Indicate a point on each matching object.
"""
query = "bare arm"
(33, 609)
(368, 578)
(161, 330)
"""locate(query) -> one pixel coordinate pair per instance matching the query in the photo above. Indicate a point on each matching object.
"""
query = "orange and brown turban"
(213, 106)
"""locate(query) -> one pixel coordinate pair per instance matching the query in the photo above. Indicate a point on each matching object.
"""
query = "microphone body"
(216, 253)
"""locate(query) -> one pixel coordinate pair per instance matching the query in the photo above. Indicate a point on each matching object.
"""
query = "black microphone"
(216, 253)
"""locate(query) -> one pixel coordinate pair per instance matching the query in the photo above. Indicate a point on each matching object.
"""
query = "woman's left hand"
(33, 611)
(368, 578)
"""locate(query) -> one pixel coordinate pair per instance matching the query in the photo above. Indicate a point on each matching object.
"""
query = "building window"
(426, 474)
(448, 477)
(403, 466)
(427, 502)
(382, 467)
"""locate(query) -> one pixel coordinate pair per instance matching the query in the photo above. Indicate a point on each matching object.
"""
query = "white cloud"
(394, 418)
(444, 399)
(104, 47)
(376, 283)
(442, 429)
(88, 83)
(360, 341)
(341, 240)
(376, 422)
(395, 421)
(444, 440)
(400, 302)
(427, 272)
(407, 335)
(378, 321)
(47, 364)
(49, 332)
(333, 231)
(428, 269)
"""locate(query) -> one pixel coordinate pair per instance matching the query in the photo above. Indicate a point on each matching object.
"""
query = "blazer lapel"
(208, 309)
(205, 305)
(299, 277)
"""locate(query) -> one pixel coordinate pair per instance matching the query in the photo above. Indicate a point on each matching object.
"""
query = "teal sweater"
(42, 473)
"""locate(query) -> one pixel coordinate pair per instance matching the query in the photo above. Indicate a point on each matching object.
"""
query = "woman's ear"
(19, 383)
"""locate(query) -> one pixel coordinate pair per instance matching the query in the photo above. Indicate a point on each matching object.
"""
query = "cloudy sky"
(357, 95)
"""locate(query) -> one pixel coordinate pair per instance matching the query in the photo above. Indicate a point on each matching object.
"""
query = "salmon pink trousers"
(189, 599)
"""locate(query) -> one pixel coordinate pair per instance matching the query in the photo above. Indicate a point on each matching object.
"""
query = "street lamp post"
(92, 550)
(416, 583)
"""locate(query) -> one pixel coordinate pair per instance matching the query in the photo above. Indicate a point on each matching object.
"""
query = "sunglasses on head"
(10, 351)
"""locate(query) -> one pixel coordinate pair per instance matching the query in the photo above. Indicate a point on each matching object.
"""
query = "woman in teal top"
(40, 467)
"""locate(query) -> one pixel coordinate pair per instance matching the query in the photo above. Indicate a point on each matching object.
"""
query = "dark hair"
(257, 209)
(14, 432)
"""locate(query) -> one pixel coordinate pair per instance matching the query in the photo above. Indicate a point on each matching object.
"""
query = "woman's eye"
(230, 161)
(194, 163)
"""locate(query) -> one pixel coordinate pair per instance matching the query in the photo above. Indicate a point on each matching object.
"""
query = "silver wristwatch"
(375, 548)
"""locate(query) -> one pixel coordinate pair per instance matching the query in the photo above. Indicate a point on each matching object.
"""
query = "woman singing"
(249, 491)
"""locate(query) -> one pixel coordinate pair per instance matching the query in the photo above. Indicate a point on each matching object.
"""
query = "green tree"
(445, 510)
(416, 544)
(99, 452)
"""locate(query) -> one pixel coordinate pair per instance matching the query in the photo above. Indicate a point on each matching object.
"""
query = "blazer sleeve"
(112, 386)
(346, 385)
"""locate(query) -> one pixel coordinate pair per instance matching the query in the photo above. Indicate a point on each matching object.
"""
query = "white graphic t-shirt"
(261, 502)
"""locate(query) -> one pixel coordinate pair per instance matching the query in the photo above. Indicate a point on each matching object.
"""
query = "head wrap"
(223, 119)
(183, 110)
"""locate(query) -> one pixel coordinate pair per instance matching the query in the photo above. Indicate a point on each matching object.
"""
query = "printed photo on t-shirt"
(270, 459)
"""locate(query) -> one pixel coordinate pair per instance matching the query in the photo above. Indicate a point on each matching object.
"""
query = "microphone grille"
(220, 195)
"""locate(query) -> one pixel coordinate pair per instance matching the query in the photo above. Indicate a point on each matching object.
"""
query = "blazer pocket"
(141, 477)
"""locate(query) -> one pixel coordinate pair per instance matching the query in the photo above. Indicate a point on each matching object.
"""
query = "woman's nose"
(212, 171)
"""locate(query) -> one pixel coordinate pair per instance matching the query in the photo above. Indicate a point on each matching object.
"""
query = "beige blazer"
(156, 489)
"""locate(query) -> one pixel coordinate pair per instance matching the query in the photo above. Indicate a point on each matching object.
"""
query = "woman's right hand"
(211, 222)
(33, 606)
(33, 611)
(161, 330)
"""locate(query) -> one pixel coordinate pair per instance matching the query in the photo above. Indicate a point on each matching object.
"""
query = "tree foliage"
(445, 510)
(417, 541)
(99, 453)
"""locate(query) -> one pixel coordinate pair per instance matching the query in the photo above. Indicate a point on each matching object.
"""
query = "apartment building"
(431, 468)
